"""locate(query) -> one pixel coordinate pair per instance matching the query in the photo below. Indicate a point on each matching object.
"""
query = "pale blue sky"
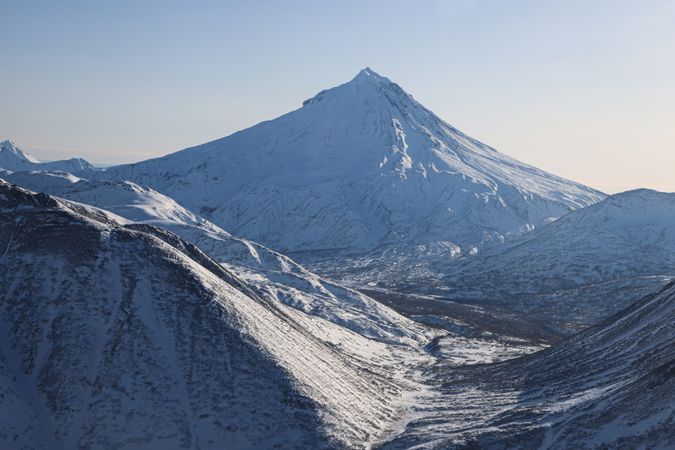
(581, 88)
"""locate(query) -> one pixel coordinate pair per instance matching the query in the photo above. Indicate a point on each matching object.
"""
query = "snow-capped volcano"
(357, 167)
(13, 158)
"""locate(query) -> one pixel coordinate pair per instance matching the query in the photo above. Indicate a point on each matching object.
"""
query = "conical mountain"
(359, 167)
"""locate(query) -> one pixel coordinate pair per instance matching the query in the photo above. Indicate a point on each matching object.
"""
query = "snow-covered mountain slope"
(579, 269)
(14, 158)
(119, 335)
(271, 274)
(611, 386)
(359, 167)
(123, 198)
(10, 155)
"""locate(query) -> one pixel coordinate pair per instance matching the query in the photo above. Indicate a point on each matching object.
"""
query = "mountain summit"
(14, 158)
(360, 167)
(10, 153)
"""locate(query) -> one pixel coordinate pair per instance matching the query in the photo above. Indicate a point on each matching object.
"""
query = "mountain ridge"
(269, 273)
(619, 248)
(14, 158)
(119, 335)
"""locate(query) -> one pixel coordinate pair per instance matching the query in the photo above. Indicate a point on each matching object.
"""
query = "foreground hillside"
(120, 336)
(270, 274)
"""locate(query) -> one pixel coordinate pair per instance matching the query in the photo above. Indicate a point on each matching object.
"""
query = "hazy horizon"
(581, 90)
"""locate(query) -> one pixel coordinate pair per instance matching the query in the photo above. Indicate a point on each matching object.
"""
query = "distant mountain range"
(580, 268)
(14, 158)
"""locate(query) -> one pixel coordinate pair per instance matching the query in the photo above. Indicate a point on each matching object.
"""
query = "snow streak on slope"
(115, 336)
(271, 274)
(358, 168)
(14, 158)
(612, 386)
(581, 268)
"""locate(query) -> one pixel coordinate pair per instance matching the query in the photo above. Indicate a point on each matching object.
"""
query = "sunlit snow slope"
(271, 274)
(115, 336)
(356, 168)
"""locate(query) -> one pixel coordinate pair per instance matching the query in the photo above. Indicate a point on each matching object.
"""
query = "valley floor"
(432, 414)
(610, 386)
